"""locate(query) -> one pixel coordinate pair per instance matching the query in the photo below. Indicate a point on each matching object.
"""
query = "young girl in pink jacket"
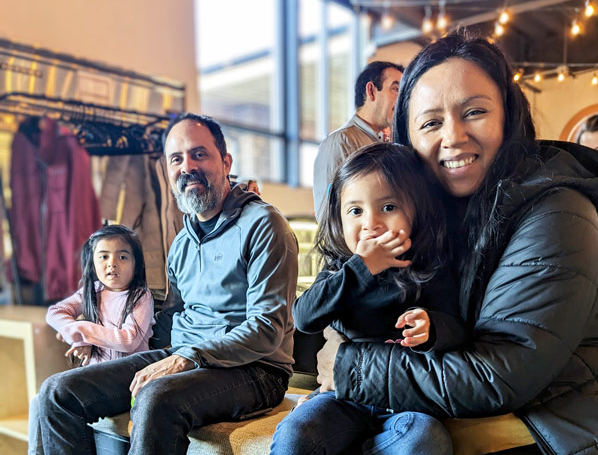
(111, 316)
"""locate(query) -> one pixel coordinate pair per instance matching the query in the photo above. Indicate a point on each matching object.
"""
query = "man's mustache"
(188, 179)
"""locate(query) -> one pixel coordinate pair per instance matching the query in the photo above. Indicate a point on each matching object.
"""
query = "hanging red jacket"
(54, 207)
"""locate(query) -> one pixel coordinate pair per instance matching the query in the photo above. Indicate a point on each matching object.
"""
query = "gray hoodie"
(234, 289)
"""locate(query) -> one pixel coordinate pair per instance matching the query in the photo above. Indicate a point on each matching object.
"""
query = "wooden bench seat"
(254, 437)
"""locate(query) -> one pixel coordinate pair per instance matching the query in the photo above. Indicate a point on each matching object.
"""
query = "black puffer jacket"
(534, 346)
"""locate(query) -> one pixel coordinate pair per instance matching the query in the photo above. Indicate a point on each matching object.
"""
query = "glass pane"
(309, 61)
(235, 58)
(307, 156)
(255, 156)
(339, 66)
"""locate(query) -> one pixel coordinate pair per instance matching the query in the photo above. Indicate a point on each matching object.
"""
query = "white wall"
(153, 37)
(559, 102)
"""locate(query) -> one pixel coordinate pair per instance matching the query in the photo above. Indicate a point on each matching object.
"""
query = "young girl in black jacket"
(382, 244)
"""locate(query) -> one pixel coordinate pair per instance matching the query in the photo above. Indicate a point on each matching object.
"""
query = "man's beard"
(195, 200)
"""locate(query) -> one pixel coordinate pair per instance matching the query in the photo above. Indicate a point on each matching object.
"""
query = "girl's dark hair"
(137, 287)
(410, 182)
(482, 220)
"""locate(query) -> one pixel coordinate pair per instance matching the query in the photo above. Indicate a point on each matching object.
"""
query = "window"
(240, 56)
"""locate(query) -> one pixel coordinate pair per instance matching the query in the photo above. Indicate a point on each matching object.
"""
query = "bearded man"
(233, 272)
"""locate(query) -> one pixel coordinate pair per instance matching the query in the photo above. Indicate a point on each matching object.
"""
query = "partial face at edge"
(589, 139)
(456, 123)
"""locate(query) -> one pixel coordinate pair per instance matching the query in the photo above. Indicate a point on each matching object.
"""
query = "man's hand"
(169, 365)
(81, 352)
(380, 253)
(419, 320)
(326, 357)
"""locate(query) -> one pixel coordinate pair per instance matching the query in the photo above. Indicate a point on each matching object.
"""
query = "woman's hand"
(170, 365)
(380, 253)
(83, 353)
(326, 357)
(419, 321)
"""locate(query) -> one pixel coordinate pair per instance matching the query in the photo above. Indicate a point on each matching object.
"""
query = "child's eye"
(388, 207)
(355, 211)
(124, 258)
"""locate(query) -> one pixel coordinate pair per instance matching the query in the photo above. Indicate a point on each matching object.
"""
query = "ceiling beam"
(414, 33)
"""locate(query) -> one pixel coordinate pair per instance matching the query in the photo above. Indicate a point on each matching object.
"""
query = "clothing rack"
(102, 130)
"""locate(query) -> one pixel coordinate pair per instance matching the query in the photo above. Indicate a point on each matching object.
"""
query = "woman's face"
(456, 120)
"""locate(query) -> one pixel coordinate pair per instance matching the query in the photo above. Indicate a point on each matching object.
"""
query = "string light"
(595, 80)
(562, 72)
(590, 9)
(504, 17)
(575, 28)
(499, 29)
(427, 24)
(518, 75)
(387, 21)
(442, 20)
(538, 77)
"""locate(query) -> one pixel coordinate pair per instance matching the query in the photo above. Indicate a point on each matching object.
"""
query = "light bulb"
(387, 21)
(560, 77)
(575, 28)
(517, 76)
(595, 80)
(427, 26)
(441, 22)
(499, 30)
(537, 77)
(590, 9)
(504, 17)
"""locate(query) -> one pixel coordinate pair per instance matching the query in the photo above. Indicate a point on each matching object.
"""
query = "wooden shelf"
(29, 353)
(15, 428)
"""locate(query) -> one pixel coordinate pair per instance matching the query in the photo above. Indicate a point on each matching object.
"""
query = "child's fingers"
(410, 342)
(70, 351)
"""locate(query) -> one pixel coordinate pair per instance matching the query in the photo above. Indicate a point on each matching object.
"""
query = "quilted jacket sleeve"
(538, 308)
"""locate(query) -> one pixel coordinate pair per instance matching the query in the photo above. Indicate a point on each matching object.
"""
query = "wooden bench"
(254, 437)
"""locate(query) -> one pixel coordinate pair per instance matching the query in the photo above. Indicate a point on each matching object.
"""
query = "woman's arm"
(538, 307)
(330, 294)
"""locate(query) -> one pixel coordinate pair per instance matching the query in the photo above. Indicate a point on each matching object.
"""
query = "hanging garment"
(148, 207)
(54, 207)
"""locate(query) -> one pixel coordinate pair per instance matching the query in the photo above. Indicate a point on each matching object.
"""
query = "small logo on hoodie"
(218, 257)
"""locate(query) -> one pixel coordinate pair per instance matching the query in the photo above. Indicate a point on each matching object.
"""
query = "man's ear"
(228, 162)
(370, 91)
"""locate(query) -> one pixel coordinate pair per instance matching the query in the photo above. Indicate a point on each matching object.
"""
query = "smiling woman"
(523, 226)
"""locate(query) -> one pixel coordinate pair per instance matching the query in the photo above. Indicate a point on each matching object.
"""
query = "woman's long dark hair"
(137, 287)
(411, 183)
(512, 161)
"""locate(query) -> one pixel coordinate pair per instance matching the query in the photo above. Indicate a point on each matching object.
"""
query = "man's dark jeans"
(165, 410)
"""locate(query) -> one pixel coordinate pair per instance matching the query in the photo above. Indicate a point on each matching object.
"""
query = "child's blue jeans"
(324, 425)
